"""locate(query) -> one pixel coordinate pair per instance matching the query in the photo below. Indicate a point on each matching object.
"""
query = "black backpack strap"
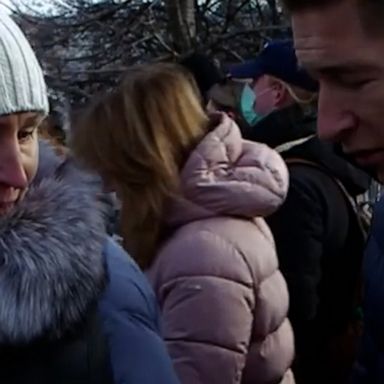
(99, 364)
(80, 358)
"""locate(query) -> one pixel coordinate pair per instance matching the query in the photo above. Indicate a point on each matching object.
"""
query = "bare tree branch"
(85, 45)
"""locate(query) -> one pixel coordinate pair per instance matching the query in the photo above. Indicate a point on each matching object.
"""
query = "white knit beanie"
(22, 85)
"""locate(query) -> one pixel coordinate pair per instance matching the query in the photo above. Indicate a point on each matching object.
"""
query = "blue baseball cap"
(278, 59)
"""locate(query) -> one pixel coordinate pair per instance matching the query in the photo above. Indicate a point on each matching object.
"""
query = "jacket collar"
(52, 269)
(282, 126)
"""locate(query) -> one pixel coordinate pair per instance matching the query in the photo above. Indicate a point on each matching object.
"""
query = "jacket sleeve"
(131, 323)
(298, 229)
(369, 355)
(207, 306)
(309, 230)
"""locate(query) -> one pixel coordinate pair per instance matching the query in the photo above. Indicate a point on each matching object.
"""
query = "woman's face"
(18, 157)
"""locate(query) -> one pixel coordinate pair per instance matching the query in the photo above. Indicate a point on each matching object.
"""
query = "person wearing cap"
(318, 231)
(204, 71)
(74, 307)
(274, 82)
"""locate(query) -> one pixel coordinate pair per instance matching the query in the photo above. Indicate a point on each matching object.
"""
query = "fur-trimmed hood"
(52, 269)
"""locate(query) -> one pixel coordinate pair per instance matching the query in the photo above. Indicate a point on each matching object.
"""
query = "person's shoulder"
(314, 183)
(128, 291)
(310, 172)
(216, 248)
(130, 320)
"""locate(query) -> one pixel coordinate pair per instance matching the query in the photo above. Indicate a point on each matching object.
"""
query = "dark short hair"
(204, 70)
(299, 5)
(371, 11)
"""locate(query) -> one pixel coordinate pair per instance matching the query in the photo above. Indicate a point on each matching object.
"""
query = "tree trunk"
(182, 23)
(275, 18)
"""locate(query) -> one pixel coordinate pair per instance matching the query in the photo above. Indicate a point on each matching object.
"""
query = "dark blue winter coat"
(67, 292)
(131, 323)
(369, 368)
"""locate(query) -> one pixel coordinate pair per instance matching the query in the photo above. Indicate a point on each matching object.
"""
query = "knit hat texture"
(22, 85)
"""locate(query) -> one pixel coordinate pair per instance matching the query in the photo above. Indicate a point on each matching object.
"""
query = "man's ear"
(280, 93)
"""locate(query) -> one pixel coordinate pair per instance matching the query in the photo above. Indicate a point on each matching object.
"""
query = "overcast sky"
(5, 2)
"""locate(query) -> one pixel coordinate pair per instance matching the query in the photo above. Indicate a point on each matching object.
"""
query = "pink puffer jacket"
(224, 301)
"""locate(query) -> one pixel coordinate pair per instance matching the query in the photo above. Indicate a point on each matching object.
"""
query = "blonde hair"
(301, 96)
(138, 137)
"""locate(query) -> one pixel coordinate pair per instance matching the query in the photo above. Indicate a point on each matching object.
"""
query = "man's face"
(18, 157)
(349, 65)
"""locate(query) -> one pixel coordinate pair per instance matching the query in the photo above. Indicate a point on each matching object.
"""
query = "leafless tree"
(85, 45)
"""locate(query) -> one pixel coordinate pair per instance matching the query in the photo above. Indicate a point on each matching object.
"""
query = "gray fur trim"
(51, 264)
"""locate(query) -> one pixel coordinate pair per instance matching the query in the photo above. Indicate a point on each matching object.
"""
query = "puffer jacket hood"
(224, 302)
(51, 255)
(226, 175)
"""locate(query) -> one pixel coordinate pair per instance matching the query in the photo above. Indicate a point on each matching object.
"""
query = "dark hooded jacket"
(74, 307)
(319, 243)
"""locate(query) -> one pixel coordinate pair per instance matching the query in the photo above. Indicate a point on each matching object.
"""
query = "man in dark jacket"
(342, 42)
(74, 307)
(317, 231)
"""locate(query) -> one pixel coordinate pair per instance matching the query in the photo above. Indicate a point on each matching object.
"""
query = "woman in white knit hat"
(73, 307)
